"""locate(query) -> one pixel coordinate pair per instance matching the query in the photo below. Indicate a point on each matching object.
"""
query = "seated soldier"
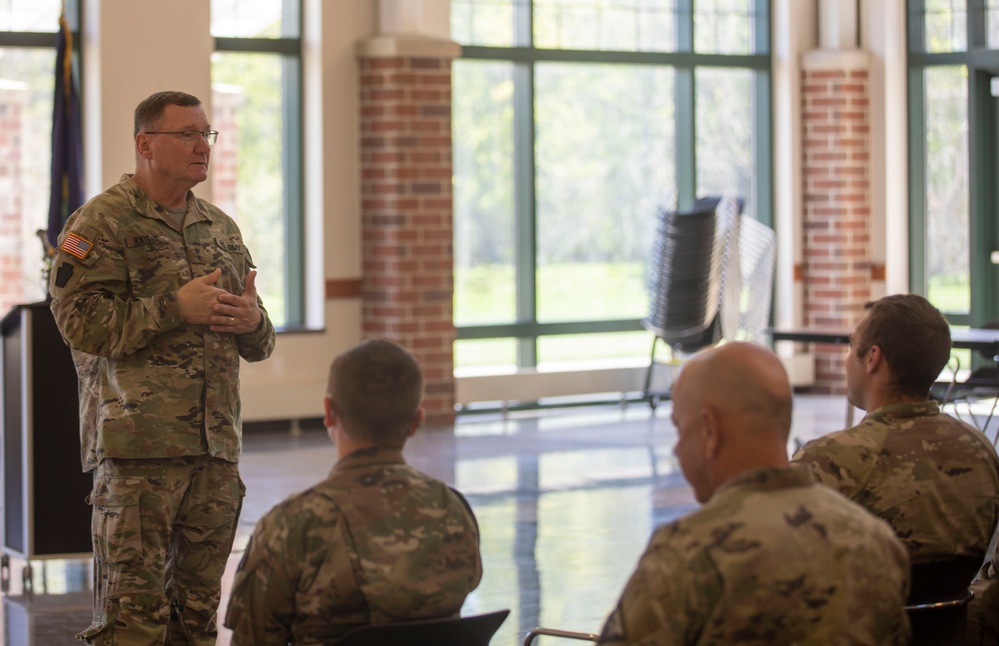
(771, 556)
(934, 478)
(375, 542)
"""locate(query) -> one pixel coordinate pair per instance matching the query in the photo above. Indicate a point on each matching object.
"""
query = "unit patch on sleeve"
(63, 274)
(76, 245)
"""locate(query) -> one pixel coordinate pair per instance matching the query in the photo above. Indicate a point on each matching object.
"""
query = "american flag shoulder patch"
(76, 245)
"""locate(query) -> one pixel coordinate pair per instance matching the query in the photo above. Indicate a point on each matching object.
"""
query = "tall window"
(953, 63)
(256, 176)
(27, 82)
(572, 122)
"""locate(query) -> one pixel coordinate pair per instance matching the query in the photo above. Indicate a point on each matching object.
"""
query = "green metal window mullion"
(992, 179)
(685, 154)
(981, 171)
(763, 123)
(981, 136)
(526, 251)
(761, 27)
(917, 183)
(762, 120)
(668, 59)
(526, 217)
(976, 22)
(915, 36)
(291, 166)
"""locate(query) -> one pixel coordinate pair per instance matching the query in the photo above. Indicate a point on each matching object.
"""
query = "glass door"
(953, 151)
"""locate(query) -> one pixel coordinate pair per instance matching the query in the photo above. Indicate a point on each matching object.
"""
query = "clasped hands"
(204, 303)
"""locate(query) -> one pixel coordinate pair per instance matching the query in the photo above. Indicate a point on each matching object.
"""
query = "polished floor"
(565, 498)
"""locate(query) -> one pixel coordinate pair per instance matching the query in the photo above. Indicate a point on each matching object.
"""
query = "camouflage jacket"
(151, 385)
(377, 541)
(934, 479)
(772, 558)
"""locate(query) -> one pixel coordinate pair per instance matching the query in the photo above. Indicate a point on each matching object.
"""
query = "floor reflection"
(566, 500)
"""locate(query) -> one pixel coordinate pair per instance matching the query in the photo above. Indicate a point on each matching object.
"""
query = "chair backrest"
(474, 630)
(988, 325)
(556, 632)
(694, 265)
(942, 578)
(757, 260)
(938, 600)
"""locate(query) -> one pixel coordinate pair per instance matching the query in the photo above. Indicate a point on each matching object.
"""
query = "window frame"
(527, 329)
(981, 65)
(290, 50)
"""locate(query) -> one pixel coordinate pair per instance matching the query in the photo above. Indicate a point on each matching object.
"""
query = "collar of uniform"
(369, 456)
(144, 206)
(793, 475)
(906, 409)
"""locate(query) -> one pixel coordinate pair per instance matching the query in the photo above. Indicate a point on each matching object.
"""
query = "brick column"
(406, 209)
(226, 103)
(13, 96)
(836, 270)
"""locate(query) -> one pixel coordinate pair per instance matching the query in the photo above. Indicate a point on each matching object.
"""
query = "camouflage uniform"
(375, 542)
(159, 403)
(772, 558)
(935, 479)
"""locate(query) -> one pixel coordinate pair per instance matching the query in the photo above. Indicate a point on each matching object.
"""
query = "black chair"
(555, 632)
(687, 278)
(474, 630)
(938, 600)
(981, 384)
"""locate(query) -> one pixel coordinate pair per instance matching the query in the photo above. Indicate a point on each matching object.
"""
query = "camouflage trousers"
(162, 530)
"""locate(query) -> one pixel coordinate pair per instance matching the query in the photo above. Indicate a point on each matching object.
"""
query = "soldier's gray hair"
(151, 108)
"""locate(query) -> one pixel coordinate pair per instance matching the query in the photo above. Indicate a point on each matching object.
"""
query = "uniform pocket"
(115, 525)
(207, 256)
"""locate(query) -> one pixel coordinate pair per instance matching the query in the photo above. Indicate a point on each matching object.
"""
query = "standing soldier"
(153, 290)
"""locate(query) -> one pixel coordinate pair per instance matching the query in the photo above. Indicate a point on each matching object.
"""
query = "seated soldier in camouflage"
(771, 557)
(377, 541)
(934, 478)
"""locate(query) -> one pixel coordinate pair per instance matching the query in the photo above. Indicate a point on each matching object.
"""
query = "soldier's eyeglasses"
(190, 136)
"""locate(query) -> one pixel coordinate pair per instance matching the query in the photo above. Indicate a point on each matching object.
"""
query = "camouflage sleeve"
(262, 604)
(91, 302)
(666, 601)
(258, 345)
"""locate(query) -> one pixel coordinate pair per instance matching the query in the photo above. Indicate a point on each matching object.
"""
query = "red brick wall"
(226, 103)
(406, 214)
(836, 269)
(11, 202)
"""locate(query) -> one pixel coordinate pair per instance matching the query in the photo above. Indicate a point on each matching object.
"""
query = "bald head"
(732, 408)
(747, 381)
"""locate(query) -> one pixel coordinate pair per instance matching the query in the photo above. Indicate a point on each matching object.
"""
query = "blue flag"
(66, 192)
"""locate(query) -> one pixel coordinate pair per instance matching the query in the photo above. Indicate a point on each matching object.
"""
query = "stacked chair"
(711, 278)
